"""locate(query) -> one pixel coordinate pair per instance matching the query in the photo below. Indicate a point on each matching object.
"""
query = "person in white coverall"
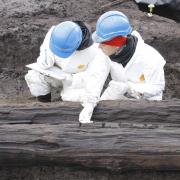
(69, 46)
(137, 69)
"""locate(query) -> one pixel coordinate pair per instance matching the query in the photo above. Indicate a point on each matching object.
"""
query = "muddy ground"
(23, 27)
(24, 24)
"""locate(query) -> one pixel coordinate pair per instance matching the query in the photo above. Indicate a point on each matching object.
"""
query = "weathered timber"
(125, 135)
(113, 147)
(107, 111)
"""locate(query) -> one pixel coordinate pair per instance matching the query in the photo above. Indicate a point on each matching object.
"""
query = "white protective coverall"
(88, 70)
(141, 78)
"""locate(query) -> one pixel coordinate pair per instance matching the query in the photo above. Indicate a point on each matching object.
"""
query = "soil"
(61, 173)
(24, 25)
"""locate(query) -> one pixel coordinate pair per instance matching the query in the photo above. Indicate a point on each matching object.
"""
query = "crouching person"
(69, 46)
(137, 69)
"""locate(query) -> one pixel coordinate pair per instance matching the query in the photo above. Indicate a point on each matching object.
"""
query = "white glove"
(115, 91)
(132, 93)
(46, 58)
(67, 80)
(86, 114)
(79, 80)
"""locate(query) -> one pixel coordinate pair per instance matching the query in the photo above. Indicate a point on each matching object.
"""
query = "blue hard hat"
(65, 39)
(111, 24)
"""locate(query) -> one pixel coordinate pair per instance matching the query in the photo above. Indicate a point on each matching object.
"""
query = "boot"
(44, 98)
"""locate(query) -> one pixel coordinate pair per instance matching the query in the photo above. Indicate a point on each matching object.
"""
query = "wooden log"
(107, 111)
(125, 135)
(113, 147)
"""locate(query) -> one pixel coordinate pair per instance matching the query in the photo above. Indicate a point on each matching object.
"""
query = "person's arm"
(46, 59)
(153, 84)
(117, 72)
(97, 73)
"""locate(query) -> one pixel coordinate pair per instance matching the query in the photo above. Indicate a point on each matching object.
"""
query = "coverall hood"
(86, 35)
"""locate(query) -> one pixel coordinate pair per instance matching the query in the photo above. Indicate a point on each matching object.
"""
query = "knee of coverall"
(37, 83)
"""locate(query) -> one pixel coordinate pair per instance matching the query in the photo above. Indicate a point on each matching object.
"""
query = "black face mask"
(125, 55)
(87, 38)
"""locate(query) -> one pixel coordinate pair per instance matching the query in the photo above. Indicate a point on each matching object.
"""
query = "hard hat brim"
(61, 54)
(96, 38)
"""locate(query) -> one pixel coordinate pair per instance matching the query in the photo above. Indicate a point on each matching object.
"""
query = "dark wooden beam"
(125, 135)
(111, 147)
(107, 111)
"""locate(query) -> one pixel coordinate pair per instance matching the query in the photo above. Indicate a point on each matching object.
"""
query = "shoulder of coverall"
(48, 35)
(89, 52)
(140, 39)
(45, 51)
(45, 44)
(147, 53)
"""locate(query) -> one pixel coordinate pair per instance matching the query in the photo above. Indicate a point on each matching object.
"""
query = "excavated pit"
(22, 29)
(165, 10)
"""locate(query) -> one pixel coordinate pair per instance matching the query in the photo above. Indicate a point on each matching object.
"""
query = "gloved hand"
(86, 114)
(115, 91)
(67, 79)
(46, 58)
(132, 93)
(79, 80)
